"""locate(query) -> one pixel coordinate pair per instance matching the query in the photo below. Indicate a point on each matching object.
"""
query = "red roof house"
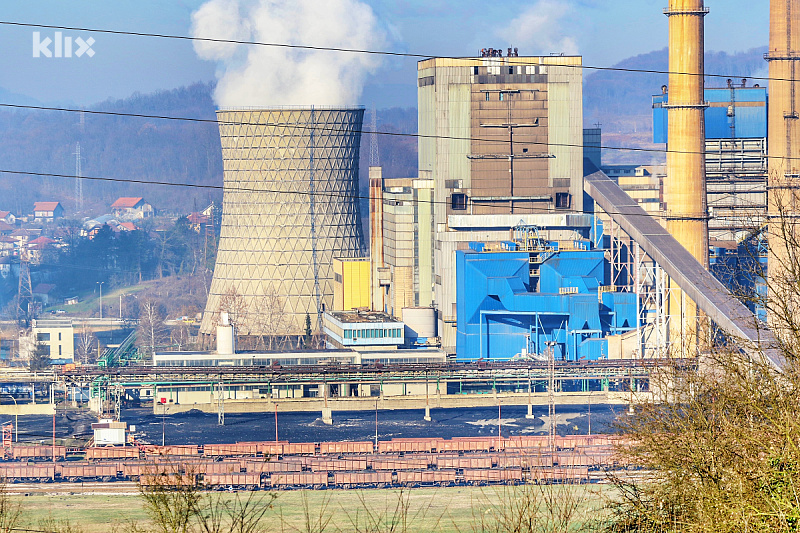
(47, 210)
(131, 208)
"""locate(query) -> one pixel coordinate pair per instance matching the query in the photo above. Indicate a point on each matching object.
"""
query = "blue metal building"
(732, 113)
(523, 302)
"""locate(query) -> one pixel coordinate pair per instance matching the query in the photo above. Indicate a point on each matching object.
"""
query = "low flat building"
(361, 330)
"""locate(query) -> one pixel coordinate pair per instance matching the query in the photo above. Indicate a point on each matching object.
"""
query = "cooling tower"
(289, 206)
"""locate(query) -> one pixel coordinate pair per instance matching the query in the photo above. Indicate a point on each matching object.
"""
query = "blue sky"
(603, 31)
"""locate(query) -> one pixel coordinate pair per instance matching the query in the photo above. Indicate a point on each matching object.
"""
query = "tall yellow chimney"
(783, 138)
(685, 186)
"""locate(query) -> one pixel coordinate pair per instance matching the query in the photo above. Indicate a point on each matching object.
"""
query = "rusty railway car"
(39, 451)
(426, 477)
(231, 450)
(331, 465)
(307, 480)
(243, 481)
(101, 453)
(33, 472)
(490, 476)
(85, 471)
(347, 447)
(348, 480)
(408, 462)
(471, 461)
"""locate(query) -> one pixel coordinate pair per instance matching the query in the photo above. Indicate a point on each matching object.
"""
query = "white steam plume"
(253, 75)
(540, 29)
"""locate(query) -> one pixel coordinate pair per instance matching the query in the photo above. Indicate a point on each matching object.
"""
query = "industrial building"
(56, 337)
(536, 298)
(351, 283)
(290, 206)
(736, 156)
(500, 140)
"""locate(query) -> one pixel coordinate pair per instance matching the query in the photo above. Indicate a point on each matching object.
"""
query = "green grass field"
(455, 509)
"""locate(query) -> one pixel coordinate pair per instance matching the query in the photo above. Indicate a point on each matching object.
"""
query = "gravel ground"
(196, 427)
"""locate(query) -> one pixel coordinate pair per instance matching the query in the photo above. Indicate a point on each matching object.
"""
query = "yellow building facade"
(351, 283)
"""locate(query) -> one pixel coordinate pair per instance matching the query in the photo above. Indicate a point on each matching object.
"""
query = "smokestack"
(783, 137)
(376, 236)
(290, 204)
(685, 187)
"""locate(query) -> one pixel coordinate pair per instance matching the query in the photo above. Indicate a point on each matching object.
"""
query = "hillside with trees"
(621, 101)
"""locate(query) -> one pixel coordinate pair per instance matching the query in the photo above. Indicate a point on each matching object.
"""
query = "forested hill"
(621, 101)
(112, 147)
(145, 149)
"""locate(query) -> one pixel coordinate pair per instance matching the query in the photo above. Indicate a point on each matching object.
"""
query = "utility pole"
(78, 172)
(100, 283)
(25, 303)
(551, 392)
(221, 408)
(313, 227)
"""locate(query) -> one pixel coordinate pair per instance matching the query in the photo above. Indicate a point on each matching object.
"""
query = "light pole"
(100, 284)
(16, 419)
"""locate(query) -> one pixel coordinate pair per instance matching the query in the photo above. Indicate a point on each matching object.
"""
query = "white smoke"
(254, 75)
(539, 29)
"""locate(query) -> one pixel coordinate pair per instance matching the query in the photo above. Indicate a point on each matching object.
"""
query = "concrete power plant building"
(290, 206)
(500, 142)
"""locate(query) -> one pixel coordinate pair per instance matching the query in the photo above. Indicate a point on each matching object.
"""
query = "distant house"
(42, 292)
(198, 221)
(47, 211)
(8, 217)
(7, 266)
(42, 241)
(5, 228)
(23, 235)
(125, 226)
(7, 245)
(36, 248)
(129, 208)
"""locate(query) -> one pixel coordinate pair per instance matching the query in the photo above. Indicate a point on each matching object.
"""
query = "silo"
(290, 205)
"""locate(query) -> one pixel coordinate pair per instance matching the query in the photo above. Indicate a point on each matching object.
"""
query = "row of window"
(373, 334)
(45, 337)
(458, 201)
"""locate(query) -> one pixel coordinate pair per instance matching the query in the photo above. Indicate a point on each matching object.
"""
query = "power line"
(367, 51)
(361, 131)
(527, 210)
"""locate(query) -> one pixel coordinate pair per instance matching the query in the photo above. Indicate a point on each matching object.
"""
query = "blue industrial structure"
(732, 113)
(743, 270)
(526, 299)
